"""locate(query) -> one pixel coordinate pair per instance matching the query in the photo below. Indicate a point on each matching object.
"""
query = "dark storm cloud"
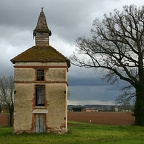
(67, 19)
(88, 86)
(85, 81)
(85, 77)
(99, 93)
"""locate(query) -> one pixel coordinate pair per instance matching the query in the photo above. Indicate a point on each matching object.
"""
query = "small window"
(40, 75)
(40, 95)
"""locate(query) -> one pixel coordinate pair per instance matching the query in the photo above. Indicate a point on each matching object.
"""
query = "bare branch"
(117, 46)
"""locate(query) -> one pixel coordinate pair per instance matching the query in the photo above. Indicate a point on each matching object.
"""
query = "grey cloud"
(88, 85)
(6, 70)
(67, 20)
(86, 81)
(85, 77)
(100, 93)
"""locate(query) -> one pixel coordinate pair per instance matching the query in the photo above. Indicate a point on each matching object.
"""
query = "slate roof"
(41, 54)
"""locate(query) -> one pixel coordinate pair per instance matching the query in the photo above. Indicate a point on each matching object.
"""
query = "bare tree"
(7, 95)
(69, 94)
(127, 96)
(117, 46)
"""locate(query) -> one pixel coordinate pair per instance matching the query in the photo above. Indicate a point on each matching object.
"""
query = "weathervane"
(42, 9)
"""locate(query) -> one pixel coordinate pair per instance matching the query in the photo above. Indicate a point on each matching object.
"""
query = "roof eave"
(68, 62)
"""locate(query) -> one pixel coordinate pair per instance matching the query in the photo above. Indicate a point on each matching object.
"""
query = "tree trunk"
(11, 109)
(0, 108)
(11, 118)
(139, 107)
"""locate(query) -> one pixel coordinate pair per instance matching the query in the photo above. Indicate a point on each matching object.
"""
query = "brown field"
(110, 118)
(4, 119)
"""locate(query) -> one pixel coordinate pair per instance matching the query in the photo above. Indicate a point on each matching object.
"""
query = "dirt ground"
(4, 119)
(112, 118)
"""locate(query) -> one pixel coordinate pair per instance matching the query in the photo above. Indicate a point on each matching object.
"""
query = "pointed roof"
(42, 24)
(41, 54)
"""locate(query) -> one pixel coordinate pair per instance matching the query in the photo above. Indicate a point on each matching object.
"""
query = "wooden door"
(40, 123)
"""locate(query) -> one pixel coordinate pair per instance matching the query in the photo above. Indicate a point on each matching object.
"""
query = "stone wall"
(23, 106)
(55, 108)
(24, 74)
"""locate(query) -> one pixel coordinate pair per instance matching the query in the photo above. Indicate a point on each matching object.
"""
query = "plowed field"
(110, 118)
(4, 119)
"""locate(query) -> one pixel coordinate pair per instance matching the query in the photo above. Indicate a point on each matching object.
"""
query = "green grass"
(79, 133)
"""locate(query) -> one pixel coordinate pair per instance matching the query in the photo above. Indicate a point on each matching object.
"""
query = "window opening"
(40, 95)
(40, 75)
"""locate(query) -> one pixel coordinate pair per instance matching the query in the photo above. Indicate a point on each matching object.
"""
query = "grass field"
(79, 133)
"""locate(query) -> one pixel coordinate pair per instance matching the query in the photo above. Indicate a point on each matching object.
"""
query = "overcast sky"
(67, 19)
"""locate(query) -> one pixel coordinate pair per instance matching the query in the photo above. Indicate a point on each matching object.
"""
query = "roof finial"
(42, 9)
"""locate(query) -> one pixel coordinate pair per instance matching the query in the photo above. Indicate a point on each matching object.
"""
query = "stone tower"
(40, 77)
